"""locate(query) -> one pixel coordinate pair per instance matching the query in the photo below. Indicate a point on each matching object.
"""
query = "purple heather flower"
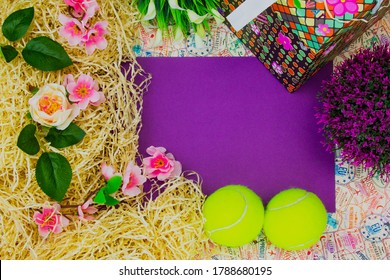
(355, 111)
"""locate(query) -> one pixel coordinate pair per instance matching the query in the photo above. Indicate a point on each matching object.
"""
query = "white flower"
(151, 13)
(195, 18)
(174, 5)
(50, 107)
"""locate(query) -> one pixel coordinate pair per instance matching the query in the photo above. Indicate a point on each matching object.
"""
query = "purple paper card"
(232, 122)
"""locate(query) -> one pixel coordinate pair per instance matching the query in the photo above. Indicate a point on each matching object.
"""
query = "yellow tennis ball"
(234, 215)
(294, 219)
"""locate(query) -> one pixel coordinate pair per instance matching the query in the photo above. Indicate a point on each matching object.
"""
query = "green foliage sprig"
(182, 14)
(53, 171)
(42, 52)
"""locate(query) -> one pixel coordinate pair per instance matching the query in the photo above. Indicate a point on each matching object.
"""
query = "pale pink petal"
(94, 97)
(82, 104)
(91, 210)
(152, 150)
(107, 171)
(43, 232)
(70, 87)
(89, 218)
(83, 78)
(102, 25)
(74, 98)
(86, 204)
(73, 41)
(132, 191)
(102, 99)
(170, 156)
(101, 44)
(69, 79)
(89, 13)
(64, 221)
(63, 19)
(163, 176)
(177, 169)
(57, 229)
(38, 218)
(80, 212)
(90, 49)
(56, 207)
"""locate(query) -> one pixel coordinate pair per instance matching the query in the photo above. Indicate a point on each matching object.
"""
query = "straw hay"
(168, 228)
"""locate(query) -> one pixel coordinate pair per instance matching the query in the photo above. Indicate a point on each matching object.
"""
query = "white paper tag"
(247, 11)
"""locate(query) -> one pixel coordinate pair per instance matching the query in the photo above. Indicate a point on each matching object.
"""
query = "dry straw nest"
(169, 227)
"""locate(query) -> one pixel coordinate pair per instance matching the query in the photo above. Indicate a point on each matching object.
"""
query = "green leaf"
(110, 201)
(9, 53)
(45, 54)
(297, 4)
(54, 175)
(27, 141)
(72, 135)
(16, 24)
(100, 197)
(33, 90)
(113, 184)
(143, 6)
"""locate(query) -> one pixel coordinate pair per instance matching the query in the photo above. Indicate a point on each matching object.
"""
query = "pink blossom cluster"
(78, 30)
(159, 164)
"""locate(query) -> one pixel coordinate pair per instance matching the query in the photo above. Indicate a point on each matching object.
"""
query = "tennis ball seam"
(239, 219)
(290, 204)
(302, 244)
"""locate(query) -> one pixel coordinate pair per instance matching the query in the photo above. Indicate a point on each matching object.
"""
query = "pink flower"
(132, 179)
(71, 29)
(255, 28)
(86, 209)
(277, 68)
(285, 41)
(83, 8)
(84, 91)
(161, 165)
(94, 39)
(340, 7)
(323, 29)
(108, 171)
(50, 220)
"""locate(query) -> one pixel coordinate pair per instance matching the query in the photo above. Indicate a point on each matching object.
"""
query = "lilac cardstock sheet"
(232, 122)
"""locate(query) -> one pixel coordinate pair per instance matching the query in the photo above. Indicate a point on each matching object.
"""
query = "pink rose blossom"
(86, 209)
(108, 171)
(50, 220)
(285, 41)
(341, 7)
(94, 39)
(132, 179)
(72, 30)
(83, 8)
(323, 29)
(84, 91)
(161, 165)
